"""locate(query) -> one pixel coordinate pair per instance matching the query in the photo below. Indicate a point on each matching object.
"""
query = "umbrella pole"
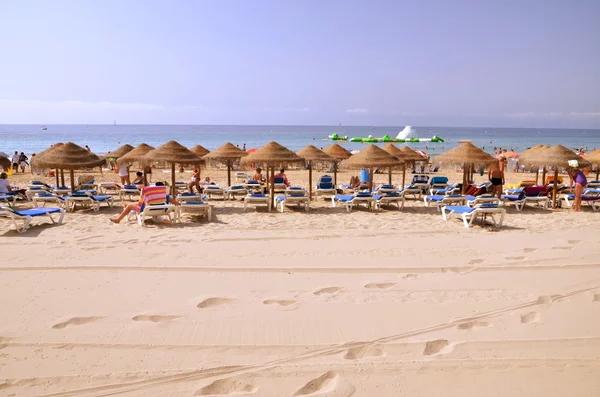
(173, 180)
(62, 177)
(72, 180)
(335, 173)
(272, 191)
(145, 176)
(57, 184)
(537, 176)
(228, 172)
(464, 186)
(371, 179)
(390, 175)
(403, 176)
(555, 188)
(597, 171)
(544, 176)
(309, 180)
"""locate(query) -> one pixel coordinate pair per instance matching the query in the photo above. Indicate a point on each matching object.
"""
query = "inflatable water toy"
(336, 137)
(387, 138)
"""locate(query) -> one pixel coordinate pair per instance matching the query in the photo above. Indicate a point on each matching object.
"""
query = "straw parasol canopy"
(273, 154)
(411, 155)
(400, 155)
(371, 157)
(173, 153)
(466, 155)
(200, 150)
(227, 152)
(594, 158)
(338, 153)
(310, 154)
(135, 154)
(556, 156)
(35, 164)
(68, 156)
(115, 154)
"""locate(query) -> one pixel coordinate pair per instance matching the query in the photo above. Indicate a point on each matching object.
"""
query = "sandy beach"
(324, 303)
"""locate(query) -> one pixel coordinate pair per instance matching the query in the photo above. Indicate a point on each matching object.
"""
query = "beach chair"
(279, 185)
(240, 177)
(61, 190)
(153, 204)
(448, 190)
(593, 184)
(86, 182)
(438, 182)
(22, 219)
(293, 196)
(45, 197)
(214, 190)
(414, 191)
(35, 189)
(389, 199)
(257, 199)
(36, 183)
(181, 186)
(443, 200)
(360, 198)
(469, 214)
(87, 200)
(236, 190)
(108, 187)
(130, 191)
(253, 186)
(193, 204)
(325, 186)
(472, 201)
(529, 195)
(422, 182)
(8, 199)
(386, 188)
(591, 199)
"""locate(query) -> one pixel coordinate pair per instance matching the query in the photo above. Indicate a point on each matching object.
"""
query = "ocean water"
(104, 138)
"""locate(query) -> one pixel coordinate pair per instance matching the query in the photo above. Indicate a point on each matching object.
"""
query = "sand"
(325, 303)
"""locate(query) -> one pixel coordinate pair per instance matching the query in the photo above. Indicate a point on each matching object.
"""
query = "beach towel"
(152, 195)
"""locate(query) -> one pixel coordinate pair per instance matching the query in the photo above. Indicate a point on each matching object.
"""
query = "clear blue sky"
(447, 62)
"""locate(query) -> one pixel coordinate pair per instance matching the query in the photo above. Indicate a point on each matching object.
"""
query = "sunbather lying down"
(150, 195)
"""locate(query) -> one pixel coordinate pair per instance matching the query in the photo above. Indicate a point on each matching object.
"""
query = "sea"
(104, 138)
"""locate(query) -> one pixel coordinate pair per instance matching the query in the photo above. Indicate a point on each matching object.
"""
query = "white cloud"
(521, 115)
(357, 111)
(584, 115)
(553, 114)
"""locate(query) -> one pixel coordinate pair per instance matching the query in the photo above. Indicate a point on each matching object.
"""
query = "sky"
(505, 63)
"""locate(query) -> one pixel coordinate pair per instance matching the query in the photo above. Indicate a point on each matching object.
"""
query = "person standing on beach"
(23, 161)
(88, 148)
(15, 162)
(578, 176)
(496, 176)
(244, 148)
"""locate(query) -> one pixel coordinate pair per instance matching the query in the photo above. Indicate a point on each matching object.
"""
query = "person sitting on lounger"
(195, 182)
(354, 182)
(139, 178)
(149, 194)
(282, 175)
(4, 184)
(258, 176)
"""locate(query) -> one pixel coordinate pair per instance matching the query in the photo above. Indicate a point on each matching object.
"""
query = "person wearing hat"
(578, 177)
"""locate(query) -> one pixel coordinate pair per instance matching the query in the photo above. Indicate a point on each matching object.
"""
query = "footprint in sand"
(155, 318)
(597, 298)
(548, 299)
(515, 258)
(477, 261)
(379, 285)
(212, 302)
(530, 318)
(330, 384)
(562, 248)
(472, 324)
(76, 321)
(223, 387)
(529, 250)
(328, 290)
(365, 351)
(410, 275)
(435, 346)
(574, 241)
(279, 302)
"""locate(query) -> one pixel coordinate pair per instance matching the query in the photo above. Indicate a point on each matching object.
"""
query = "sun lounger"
(240, 177)
(197, 207)
(386, 188)
(293, 196)
(442, 200)
(444, 191)
(237, 190)
(361, 198)
(593, 184)
(44, 198)
(60, 190)
(389, 199)
(214, 190)
(279, 185)
(25, 216)
(33, 190)
(9, 199)
(468, 214)
(105, 187)
(414, 191)
(257, 199)
(130, 191)
(592, 199)
(253, 186)
(154, 211)
(472, 201)
(325, 186)
(86, 200)
(529, 195)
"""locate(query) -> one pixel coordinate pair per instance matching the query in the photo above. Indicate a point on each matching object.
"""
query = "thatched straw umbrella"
(136, 155)
(338, 153)
(466, 155)
(557, 156)
(35, 160)
(272, 155)
(200, 150)
(310, 154)
(411, 157)
(400, 155)
(530, 152)
(371, 157)
(594, 158)
(70, 157)
(228, 152)
(172, 153)
(121, 151)
(5, 163)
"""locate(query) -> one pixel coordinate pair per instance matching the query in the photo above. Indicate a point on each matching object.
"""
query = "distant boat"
(44, 128)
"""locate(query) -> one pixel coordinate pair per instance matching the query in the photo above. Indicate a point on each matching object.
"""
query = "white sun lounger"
(236, 190)
(257, 199)
(293, 196)
(9, 199)
(441, 201)
(351, 200)
(240, 176)
(45, 198)
(389, 199)
(468, 214)
(154, 211)
(198, 207)
(93, 202)
(105, 187)
(214, 190)
(593, 200)
(22, 219)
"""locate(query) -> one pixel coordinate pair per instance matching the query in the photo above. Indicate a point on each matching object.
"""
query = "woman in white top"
(4, 184)
(124, 174)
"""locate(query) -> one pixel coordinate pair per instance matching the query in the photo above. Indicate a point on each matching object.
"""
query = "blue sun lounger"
(25, 216)
(468, 214)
